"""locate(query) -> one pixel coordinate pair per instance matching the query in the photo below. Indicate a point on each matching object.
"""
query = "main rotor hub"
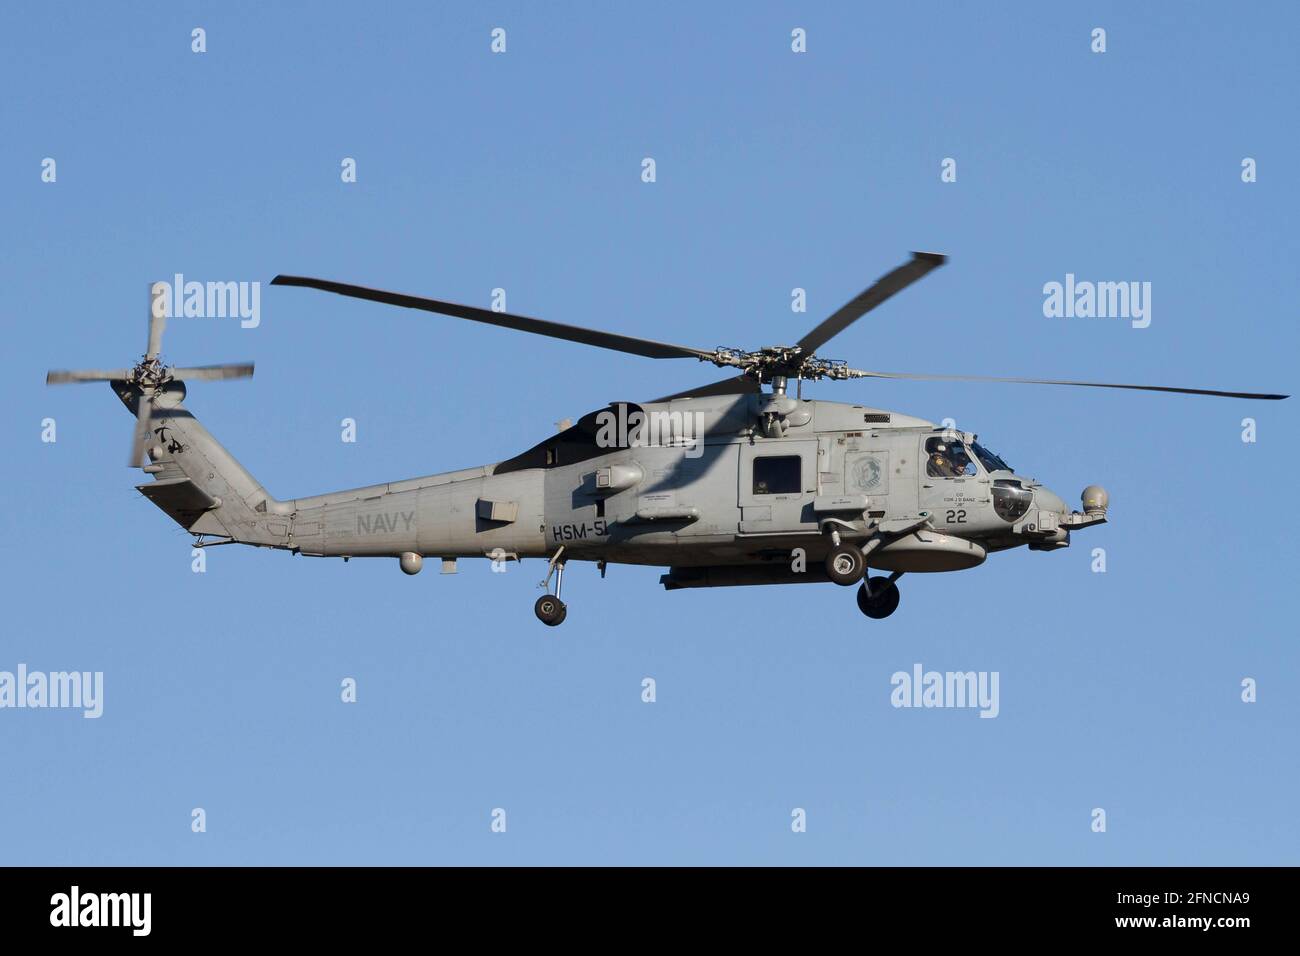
(775, 362)
(150, 373)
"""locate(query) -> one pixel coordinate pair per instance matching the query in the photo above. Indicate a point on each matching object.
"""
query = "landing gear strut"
(550, 610)
(878, 597)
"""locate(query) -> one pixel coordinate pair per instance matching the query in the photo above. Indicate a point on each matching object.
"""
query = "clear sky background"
(775, 170)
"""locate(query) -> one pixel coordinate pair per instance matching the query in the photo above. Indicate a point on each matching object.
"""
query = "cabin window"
(778, 475)
(947, 458)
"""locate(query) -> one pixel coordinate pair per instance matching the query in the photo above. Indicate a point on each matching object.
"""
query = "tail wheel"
(878, 598)
(550, 610)
(845, 565)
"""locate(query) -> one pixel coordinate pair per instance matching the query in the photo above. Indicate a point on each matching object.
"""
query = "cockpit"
(948, 456)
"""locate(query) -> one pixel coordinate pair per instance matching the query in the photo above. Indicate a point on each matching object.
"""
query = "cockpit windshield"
(990, 461)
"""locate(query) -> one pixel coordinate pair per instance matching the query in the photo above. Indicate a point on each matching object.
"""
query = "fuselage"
(694, 482)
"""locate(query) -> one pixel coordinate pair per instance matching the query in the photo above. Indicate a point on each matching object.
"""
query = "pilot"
(940, 465)
(960, 462)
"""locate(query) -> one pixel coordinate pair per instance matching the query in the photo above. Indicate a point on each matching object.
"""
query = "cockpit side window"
(948, 458)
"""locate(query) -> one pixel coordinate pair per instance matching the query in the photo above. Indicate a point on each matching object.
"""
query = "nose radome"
(1095, 499)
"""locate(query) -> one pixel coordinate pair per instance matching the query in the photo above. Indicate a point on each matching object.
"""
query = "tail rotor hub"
(152, 378)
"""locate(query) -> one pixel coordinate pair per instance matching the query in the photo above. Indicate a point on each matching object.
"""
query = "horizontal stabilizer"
(181, 499)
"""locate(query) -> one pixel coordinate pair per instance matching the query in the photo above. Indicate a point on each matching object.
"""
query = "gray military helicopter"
(726, 484)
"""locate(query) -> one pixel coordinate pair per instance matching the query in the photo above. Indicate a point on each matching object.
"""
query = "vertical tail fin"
(197, 482)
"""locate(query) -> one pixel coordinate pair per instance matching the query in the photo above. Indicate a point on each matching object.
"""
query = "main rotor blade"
(143, 411)
(157, 320)
(882, 289)
(1052, 381)
(556, 330)
(212, 373)
(67, 377)
(739, 385)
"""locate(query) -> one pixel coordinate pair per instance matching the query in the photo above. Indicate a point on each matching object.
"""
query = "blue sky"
(775, 170)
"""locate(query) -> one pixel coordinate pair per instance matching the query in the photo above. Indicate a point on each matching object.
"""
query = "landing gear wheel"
(550, 610)
(845, 565)
(878, 598)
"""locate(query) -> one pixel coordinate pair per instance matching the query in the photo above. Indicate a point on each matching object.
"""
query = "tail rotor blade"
(212, 373)
(157, 320)
(67, 377)
(143, 419)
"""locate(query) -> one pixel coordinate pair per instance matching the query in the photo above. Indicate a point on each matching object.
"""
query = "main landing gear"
(846, 564)
(878, 596)
(550, 610)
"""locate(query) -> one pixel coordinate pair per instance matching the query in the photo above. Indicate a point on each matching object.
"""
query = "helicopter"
(737, 482)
